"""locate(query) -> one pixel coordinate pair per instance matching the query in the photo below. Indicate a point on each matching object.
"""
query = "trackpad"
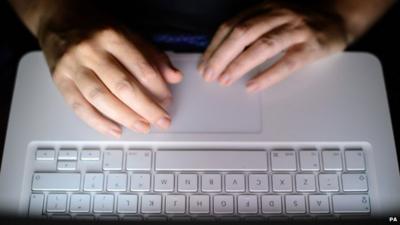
(200, 107)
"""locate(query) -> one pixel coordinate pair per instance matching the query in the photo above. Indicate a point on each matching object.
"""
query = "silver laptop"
(317, 146)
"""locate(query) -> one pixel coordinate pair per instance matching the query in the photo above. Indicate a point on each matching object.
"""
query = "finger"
(294, 59)
(127, 89)
(100, 97)
(169, 72)
(135, 62)
(220, 35)
(241, 36)
(85, 111)
(261, 50)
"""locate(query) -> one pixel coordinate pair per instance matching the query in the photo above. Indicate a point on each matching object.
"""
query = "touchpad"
(201, 107)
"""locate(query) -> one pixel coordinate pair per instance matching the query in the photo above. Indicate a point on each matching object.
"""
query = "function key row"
(281, 160)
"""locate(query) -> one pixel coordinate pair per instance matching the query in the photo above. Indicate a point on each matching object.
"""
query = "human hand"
(259, 33)
(111, 77)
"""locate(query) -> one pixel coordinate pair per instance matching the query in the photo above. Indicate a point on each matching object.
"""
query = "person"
(112, 75)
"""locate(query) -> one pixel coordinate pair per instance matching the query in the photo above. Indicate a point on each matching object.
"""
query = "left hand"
(256, 35)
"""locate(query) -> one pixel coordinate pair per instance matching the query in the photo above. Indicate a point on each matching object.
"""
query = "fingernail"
(208, 74)
(142, 126)
(115, 132)
(252, 87)
(225, 80)
(164, 122)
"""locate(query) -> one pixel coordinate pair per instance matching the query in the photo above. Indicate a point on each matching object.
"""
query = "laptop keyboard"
(163, 183)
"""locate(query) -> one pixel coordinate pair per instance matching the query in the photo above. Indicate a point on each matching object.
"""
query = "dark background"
(382, 40)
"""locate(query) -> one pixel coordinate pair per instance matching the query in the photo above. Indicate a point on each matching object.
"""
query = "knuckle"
(77, 107)
(107, 32)
(291, 64)
(235, 66)
(95, 93)
(225, 26)
(241, 29)
(124, 86)
(268, 41)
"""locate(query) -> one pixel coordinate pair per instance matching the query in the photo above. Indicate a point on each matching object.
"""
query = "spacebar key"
(211, 160)
(56, 181)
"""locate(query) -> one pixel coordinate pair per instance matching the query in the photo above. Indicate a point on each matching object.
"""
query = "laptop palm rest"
(201, 107)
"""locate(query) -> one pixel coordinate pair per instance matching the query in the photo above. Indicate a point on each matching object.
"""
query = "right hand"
(111, 77)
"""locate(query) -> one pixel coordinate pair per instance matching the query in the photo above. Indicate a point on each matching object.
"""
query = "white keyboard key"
(234, 183)
(258, 182)
(187, 182)
(66, 165)
(116, 182)
(354, 182)
(67, 155)
(332, 160)
(140, 182)
(305, 182)
(354, 160)
(211, 160)
(93, 182)
(247, 204)
(45, 154)
(283, 160)
(318, 203)
(151, 204)
(328, 182)
(112, 160)
(175, 204)
(211, 182)
(90, 155)
(350, 203)
(103, 203)
(138, 160)
(56, 181)
(127, 204)
(295, 204)
(199, 204)
(79, 203)
(282, 183)
(36, 205)
(309, 160)
(164, 182)
(56, 202)
(271, 204)
(223, 204)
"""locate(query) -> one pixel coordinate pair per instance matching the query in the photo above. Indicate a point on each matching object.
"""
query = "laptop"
(317, 146)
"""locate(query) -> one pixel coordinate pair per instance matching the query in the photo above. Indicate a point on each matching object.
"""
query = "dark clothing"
(180, 25)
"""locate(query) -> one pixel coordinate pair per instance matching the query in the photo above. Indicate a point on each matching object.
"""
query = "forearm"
(33, 13)
(359, 15)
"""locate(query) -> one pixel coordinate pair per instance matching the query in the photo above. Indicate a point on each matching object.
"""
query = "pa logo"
(393, 219)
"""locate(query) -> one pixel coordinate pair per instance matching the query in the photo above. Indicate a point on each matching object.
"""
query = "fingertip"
(164, 122)
(141, 126)
(174, 77)
(253, 87)
(115, 132)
